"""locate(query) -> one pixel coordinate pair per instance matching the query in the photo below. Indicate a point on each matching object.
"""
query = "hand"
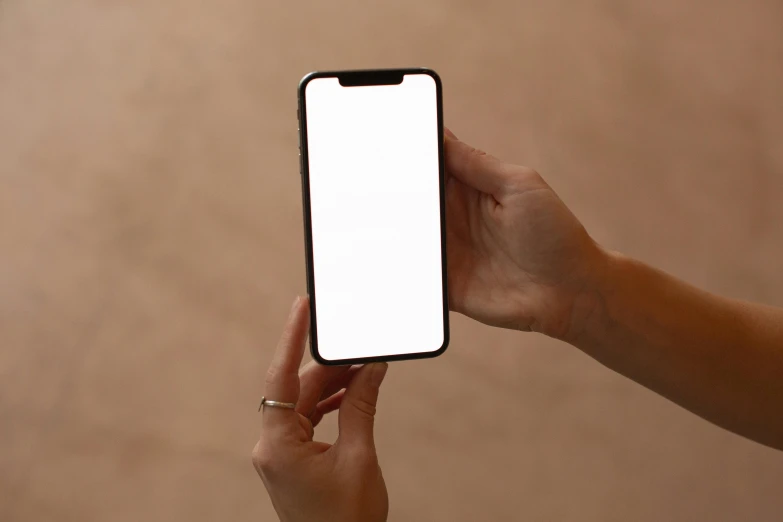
(311, 481)
(517, 257)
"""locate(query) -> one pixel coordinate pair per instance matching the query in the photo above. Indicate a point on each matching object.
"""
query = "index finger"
(282, 378)
(475, 168)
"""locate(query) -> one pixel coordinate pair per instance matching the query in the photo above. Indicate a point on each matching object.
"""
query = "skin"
(315, 481)
(519, 259)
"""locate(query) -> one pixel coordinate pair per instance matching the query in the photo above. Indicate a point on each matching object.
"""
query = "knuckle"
(521, 177)
(263, 458)
(364, 407)
(529, 172)
(477, 156)
(478, 153)
(272, 375)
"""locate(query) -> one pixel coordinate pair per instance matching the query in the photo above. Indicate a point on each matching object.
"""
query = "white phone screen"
(374, 189)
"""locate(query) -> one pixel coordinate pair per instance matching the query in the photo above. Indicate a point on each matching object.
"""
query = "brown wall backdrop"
(151, 244)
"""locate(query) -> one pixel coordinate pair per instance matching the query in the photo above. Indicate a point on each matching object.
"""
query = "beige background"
(151, 244)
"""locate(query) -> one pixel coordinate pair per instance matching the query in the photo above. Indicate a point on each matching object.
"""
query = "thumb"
(357, 411)
(475, 168)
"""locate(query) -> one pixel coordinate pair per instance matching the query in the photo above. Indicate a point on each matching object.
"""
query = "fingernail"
(296, 302)
(378, 373)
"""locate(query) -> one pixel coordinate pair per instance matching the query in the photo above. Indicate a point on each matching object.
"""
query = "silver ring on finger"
(275, 404)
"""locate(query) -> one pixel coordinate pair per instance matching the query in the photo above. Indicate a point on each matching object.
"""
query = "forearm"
(721, 359)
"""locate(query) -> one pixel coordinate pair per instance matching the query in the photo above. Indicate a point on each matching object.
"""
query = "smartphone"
(371, 158)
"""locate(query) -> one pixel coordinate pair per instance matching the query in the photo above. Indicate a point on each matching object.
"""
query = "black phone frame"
(351, 78)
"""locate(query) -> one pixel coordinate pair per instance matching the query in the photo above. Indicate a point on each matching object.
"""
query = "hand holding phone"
(308, 479)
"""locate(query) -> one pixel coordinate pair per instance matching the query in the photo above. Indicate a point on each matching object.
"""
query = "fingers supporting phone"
(357, 407)
(282, 379)
(475, 168)
(318, 382)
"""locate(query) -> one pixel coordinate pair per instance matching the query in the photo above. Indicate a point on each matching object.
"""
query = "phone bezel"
(356, 78)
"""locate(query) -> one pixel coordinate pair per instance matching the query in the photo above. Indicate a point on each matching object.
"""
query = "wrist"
(589, 305)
